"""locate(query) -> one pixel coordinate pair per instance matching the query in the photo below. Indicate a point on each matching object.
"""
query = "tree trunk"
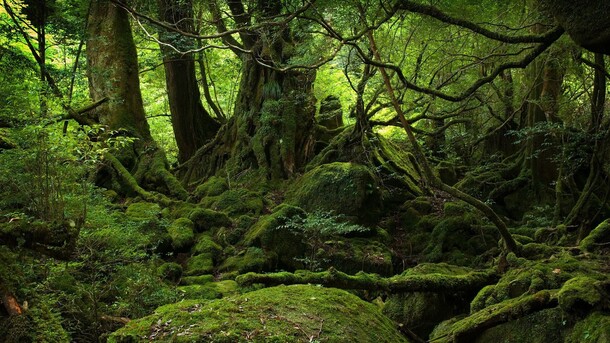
(113, 73)
(113, 70)
(193, 125)
(273, 126)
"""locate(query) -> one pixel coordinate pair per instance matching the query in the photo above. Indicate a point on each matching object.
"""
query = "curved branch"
(435, 13)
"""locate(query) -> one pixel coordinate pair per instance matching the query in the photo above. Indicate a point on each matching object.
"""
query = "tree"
(273, 124)
(113, 73)
(193, 125)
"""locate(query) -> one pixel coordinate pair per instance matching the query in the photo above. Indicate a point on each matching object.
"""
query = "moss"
(197, 280)
(546, 326)
(206, 219)
(529, 277)
(143, 211)
(236, 202)
(422, 311)
(470, 328)
(277, 314)
(343, 188)
(199, 264)
(170, 271)
(182, 210)
(351, 255)
(600, 235)
(593, 329)
(214, 186)
(196, 291)
(206, 245)
(580, 294)
(182, 234)
(252, 259)
(270, 235)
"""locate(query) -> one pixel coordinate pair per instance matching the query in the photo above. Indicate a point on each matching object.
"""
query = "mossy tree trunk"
(273, 126)
(113, 73)
(193, 126)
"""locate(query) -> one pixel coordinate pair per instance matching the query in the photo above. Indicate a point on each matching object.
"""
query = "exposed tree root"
(396, 284)
(9, 301)
(468, 328)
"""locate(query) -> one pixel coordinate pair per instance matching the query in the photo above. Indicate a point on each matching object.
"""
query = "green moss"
(270, 235)
(214, 186)
(352, 255)
(343, 188)
(143, 211)
(170, 271)
(196, 291)
(206, 245)
(599, 235)
(206, 219)
(277, 314)
(182, 234)
(593, 329)
(252, 259)
(579, 294)
(199, 264)
(546, 326)
(236, 202)
(197, 280)
(182, 210)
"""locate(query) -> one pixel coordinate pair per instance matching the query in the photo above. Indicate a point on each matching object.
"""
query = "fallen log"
(433, 282)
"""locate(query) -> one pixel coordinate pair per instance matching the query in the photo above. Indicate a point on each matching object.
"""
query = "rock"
(300, 313)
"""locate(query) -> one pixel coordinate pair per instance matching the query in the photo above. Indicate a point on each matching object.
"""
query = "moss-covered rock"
(199, 264)
(343, 188)
(214, 186)
(236, 202)
(143, 211)
(546, 326)
(277, 314)
(206, 245)
(420, 312)
(278, 242)
(580, 294)
(170, 271)
(252, 259)
(210, 290)
(597, 238)
(182, 234)
(196, 280)
(593, 329)
(206, 219)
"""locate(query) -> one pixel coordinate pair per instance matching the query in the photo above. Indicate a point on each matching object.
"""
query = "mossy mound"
(580, 294)
(420, 312)
(301, 313)
(252, 259)
(529, 277)
(236, 202)
(206, 245)
(278, 242)
(199, 264)
(593, 329)
(598, 239)
(144, 211)
(209, 290)
(170, 271)
(182, 234)
(214, 186)
(206, 219)
(546, 326)
(342, 188)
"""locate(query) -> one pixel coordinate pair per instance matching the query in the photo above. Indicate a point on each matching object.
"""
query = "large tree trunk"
(113, 73)
(273, 126)
(113, 70)
(193, 125)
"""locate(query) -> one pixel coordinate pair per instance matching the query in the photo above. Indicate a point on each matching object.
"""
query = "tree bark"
(193, 126)
(273, 126)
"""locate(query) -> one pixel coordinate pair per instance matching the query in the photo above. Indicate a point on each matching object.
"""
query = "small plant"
(316, 228)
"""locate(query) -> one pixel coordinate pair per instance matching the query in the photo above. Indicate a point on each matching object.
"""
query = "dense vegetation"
(304, 171)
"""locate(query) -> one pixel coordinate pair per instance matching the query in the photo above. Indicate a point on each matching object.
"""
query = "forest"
(304, 171)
